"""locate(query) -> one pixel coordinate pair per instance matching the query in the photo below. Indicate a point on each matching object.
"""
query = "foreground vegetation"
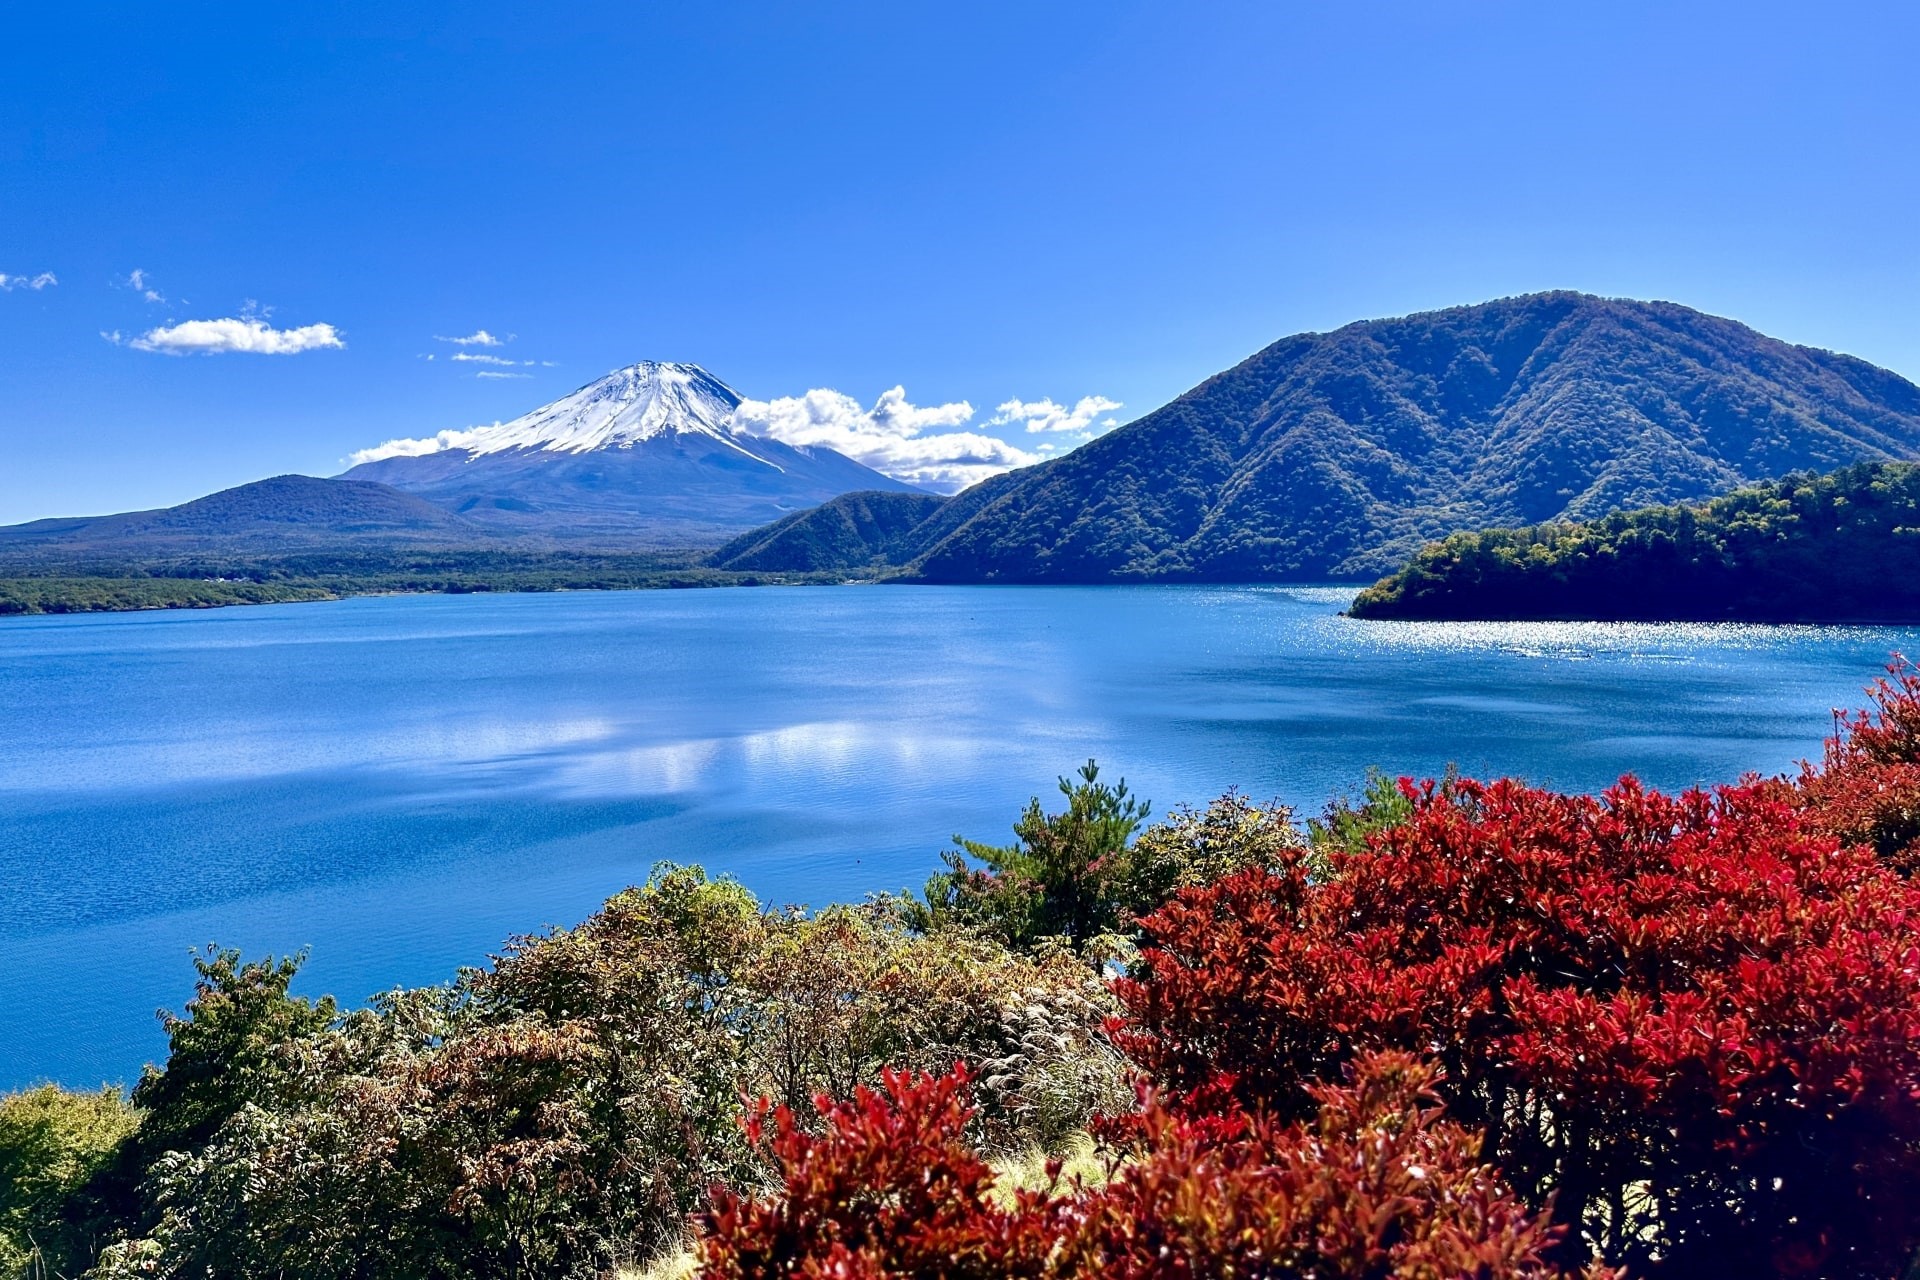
(1843, 547)
(199, 582)
(1450, 1029)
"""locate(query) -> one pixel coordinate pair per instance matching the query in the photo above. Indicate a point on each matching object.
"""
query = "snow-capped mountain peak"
(640, 402)
(649, 451)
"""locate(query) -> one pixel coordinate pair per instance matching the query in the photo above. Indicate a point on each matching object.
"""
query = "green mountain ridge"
(1338, 455)
(847, 533)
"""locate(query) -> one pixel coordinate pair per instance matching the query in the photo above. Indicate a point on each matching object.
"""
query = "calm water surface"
(400, 783)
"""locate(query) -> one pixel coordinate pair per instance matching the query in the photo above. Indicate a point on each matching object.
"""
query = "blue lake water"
(400, 783)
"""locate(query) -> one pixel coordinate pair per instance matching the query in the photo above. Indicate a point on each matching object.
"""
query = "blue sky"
(980, 202)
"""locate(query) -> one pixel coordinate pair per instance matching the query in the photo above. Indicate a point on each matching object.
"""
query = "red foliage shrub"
(1692, 1021)
(889, 1187)
(1867, 790)
(1687, 1028)
(1378, 1186)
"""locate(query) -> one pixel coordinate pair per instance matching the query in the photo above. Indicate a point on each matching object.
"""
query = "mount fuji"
(646, 455)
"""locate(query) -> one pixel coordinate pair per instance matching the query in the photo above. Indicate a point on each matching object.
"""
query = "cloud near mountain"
(440, 442)
(909, 442)
(922, 445)
(1082, 418)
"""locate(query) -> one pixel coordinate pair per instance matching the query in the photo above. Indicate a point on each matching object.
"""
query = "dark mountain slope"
(853, 531)
(1338, 455)
(282, 512)
(1833, 548)
(838, 537)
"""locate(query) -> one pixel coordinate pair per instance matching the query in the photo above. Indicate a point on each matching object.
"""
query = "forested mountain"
(1337, 455)
(1839, 547)
(853, 531)
(1326, 456)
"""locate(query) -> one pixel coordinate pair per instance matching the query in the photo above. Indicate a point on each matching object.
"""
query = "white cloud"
(416, 448)
(478, 338)
(1045, 415)
(495, 373)
(493, 361)
(249, 334)
(895, 437)
(138, 281)
(9, 283)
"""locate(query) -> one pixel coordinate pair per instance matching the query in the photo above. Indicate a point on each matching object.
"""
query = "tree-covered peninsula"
(1841, 547)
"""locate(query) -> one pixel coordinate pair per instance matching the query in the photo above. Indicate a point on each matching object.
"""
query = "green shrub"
(52, 1144)
(563, 1113)
(1074, 877)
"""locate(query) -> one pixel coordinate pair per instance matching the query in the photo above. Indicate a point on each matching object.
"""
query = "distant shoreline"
(40, 597)
(43, 596)
(56, 596)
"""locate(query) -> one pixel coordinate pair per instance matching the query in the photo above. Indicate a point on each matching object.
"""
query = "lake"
(400, 783)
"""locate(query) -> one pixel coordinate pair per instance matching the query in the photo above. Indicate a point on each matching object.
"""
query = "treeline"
(70, 585)
(1807, 548)
(97, 595)
(1448, 1029)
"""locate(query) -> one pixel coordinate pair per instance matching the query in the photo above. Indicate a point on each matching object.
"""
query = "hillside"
(281, 513)
(1338, 455)
(852, 531)
(1839, 547)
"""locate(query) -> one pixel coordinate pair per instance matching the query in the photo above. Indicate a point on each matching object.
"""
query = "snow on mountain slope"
(647, 455)
(640, 402)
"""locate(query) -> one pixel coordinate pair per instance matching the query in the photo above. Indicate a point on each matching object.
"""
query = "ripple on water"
(401, 782)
